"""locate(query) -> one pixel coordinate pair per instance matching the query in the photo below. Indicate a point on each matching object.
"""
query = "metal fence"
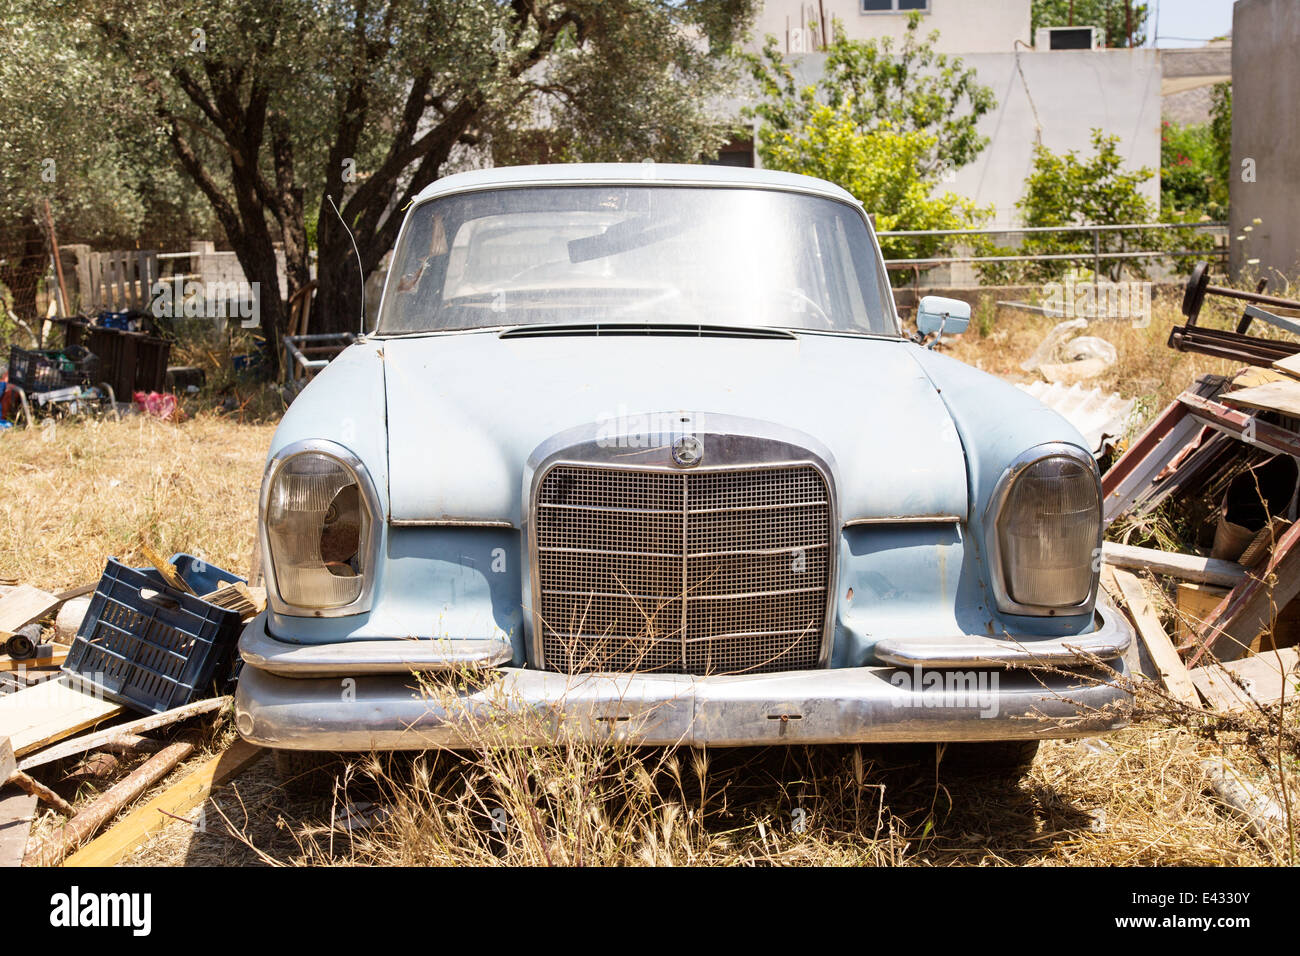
(1097, 255)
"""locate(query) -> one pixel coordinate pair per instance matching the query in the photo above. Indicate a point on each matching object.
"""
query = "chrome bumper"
(516, 706)
(1111, 636)
(259, 649)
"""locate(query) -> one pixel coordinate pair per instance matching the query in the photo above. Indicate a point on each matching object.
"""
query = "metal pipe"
(908, 263)
(1252, 297)
(1114, 227)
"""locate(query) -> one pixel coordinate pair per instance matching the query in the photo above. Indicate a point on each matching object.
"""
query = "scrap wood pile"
(1220, 466)
(77, 671)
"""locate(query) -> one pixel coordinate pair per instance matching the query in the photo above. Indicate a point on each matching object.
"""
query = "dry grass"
(86, 491)
(1135, 798)
(1146, 369)
(75, 493)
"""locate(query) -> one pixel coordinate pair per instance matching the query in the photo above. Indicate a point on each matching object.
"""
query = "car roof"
(638, 174)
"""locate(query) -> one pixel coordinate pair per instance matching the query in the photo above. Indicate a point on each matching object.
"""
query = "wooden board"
(179, 800)
(1267, 677)
(1281, 397)
(1252, 606)
(79, 745)
(23, 605)
(1169, 666)
(1185, 567)
(9, 664)
(1110, 590)
(49, 711)
(17, 811)
(1290, 365)
(1195, 604)
(7, 762)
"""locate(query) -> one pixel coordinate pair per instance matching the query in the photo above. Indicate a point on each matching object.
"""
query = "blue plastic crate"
(151, 647)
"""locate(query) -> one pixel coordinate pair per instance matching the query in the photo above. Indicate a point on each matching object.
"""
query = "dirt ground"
(80, 492)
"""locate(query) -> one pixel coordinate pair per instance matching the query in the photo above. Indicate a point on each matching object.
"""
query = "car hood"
(465, 412)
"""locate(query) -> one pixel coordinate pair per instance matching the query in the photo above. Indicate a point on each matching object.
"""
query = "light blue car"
(642, 451)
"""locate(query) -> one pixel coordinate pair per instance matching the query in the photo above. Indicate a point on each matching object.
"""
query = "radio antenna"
(361, 273)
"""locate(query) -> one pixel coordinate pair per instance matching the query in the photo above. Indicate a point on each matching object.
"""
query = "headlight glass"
(316, 528)
(1048, 530)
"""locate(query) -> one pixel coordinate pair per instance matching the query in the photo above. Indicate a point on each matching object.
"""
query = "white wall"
(965, 26)
(1073, 91)
(1264, 180)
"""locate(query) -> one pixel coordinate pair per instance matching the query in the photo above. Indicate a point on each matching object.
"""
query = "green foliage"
(908, 89)
(1191, 185)
(1110, 15)
(1069, 189)
(266, 107)
(1221, 136)
(884, 124)
(883, 168)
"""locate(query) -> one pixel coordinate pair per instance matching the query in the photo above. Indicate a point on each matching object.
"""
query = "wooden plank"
(160, 812)
(17, 811)
(54, 660)
(23, 605)
(49, 711)
(1185, 567)
(81, 827)
(1289, 365)
(1253, 605)
(101, 738)
(1195, 603)
(7, 762)
(1260, 680)
(1169, 666)
(77, 592)
(1281, 397)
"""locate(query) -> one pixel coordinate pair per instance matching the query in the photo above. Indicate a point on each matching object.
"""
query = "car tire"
(306, 772)
(1003, 758)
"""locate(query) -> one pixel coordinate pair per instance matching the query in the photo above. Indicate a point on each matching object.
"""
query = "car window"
(677, 254)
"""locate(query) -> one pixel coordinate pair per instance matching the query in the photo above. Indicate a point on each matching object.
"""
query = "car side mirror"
(944, 316)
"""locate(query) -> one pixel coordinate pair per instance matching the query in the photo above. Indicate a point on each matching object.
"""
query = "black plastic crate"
(46, 370)
(152, 647)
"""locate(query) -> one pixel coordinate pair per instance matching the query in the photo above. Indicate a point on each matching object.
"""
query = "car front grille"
(709, 572)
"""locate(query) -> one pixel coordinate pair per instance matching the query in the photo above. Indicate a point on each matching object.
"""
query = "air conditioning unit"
(1069, 38)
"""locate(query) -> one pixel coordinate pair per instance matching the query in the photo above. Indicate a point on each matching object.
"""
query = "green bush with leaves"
(886, 123)
(1193, 172)
(882, 169)
(1096, 189)
(1221, 137)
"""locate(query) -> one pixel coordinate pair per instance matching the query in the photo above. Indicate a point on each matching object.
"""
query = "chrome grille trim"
(649, 530)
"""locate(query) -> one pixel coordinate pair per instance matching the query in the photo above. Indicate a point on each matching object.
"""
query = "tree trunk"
(339, 296)
(21, 272)
(257, 257)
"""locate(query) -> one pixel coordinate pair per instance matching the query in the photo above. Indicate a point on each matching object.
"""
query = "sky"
(1188, 22)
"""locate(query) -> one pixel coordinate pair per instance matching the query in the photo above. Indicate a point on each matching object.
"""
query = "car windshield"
(552, 255)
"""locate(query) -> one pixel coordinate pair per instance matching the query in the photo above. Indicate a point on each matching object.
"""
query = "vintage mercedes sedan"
(644, 450)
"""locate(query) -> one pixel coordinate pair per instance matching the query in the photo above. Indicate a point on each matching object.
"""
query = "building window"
(894, 6)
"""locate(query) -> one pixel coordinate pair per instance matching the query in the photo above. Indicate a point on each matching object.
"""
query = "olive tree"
(277, 110)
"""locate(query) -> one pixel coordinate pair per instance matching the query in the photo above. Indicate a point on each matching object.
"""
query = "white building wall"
(1072, 92)
(1068, 92)
(965, 26)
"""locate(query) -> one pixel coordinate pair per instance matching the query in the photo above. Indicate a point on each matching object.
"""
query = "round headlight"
(1047, 531)
(317, 529)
